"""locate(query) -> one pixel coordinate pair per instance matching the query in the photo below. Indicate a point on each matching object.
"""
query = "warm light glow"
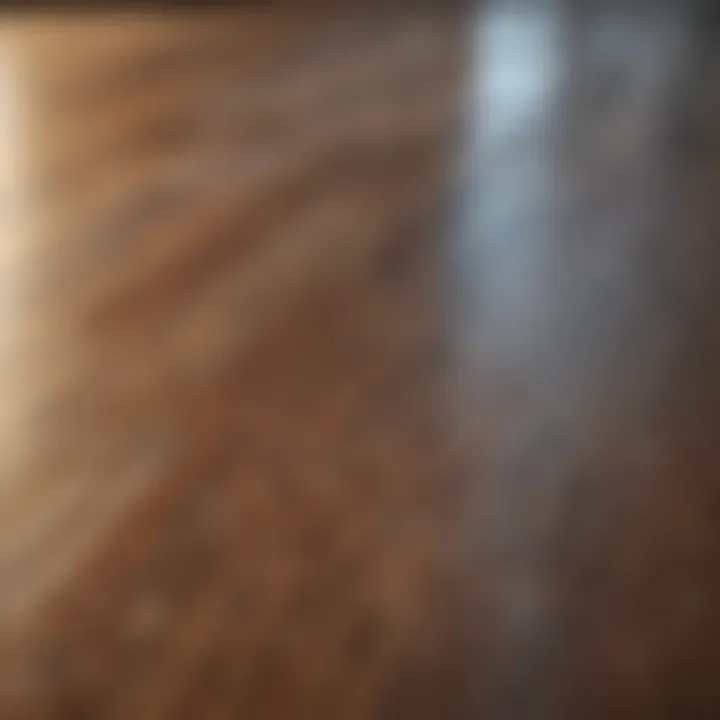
(13, 246)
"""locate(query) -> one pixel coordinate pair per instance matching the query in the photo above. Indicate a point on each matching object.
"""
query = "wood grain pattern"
(360, 363)
(211, 187)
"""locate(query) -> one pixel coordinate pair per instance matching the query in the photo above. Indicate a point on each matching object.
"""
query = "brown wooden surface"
(361, 364)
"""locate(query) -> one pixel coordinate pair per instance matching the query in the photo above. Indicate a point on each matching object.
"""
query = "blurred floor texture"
(361, 362)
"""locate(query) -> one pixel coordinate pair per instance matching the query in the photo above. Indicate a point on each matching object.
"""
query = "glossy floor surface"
(361, 363)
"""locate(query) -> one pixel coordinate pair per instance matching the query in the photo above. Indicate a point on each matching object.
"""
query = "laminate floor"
(361, 362)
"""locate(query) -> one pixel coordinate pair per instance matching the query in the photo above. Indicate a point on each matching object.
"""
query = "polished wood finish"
(361, 363)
